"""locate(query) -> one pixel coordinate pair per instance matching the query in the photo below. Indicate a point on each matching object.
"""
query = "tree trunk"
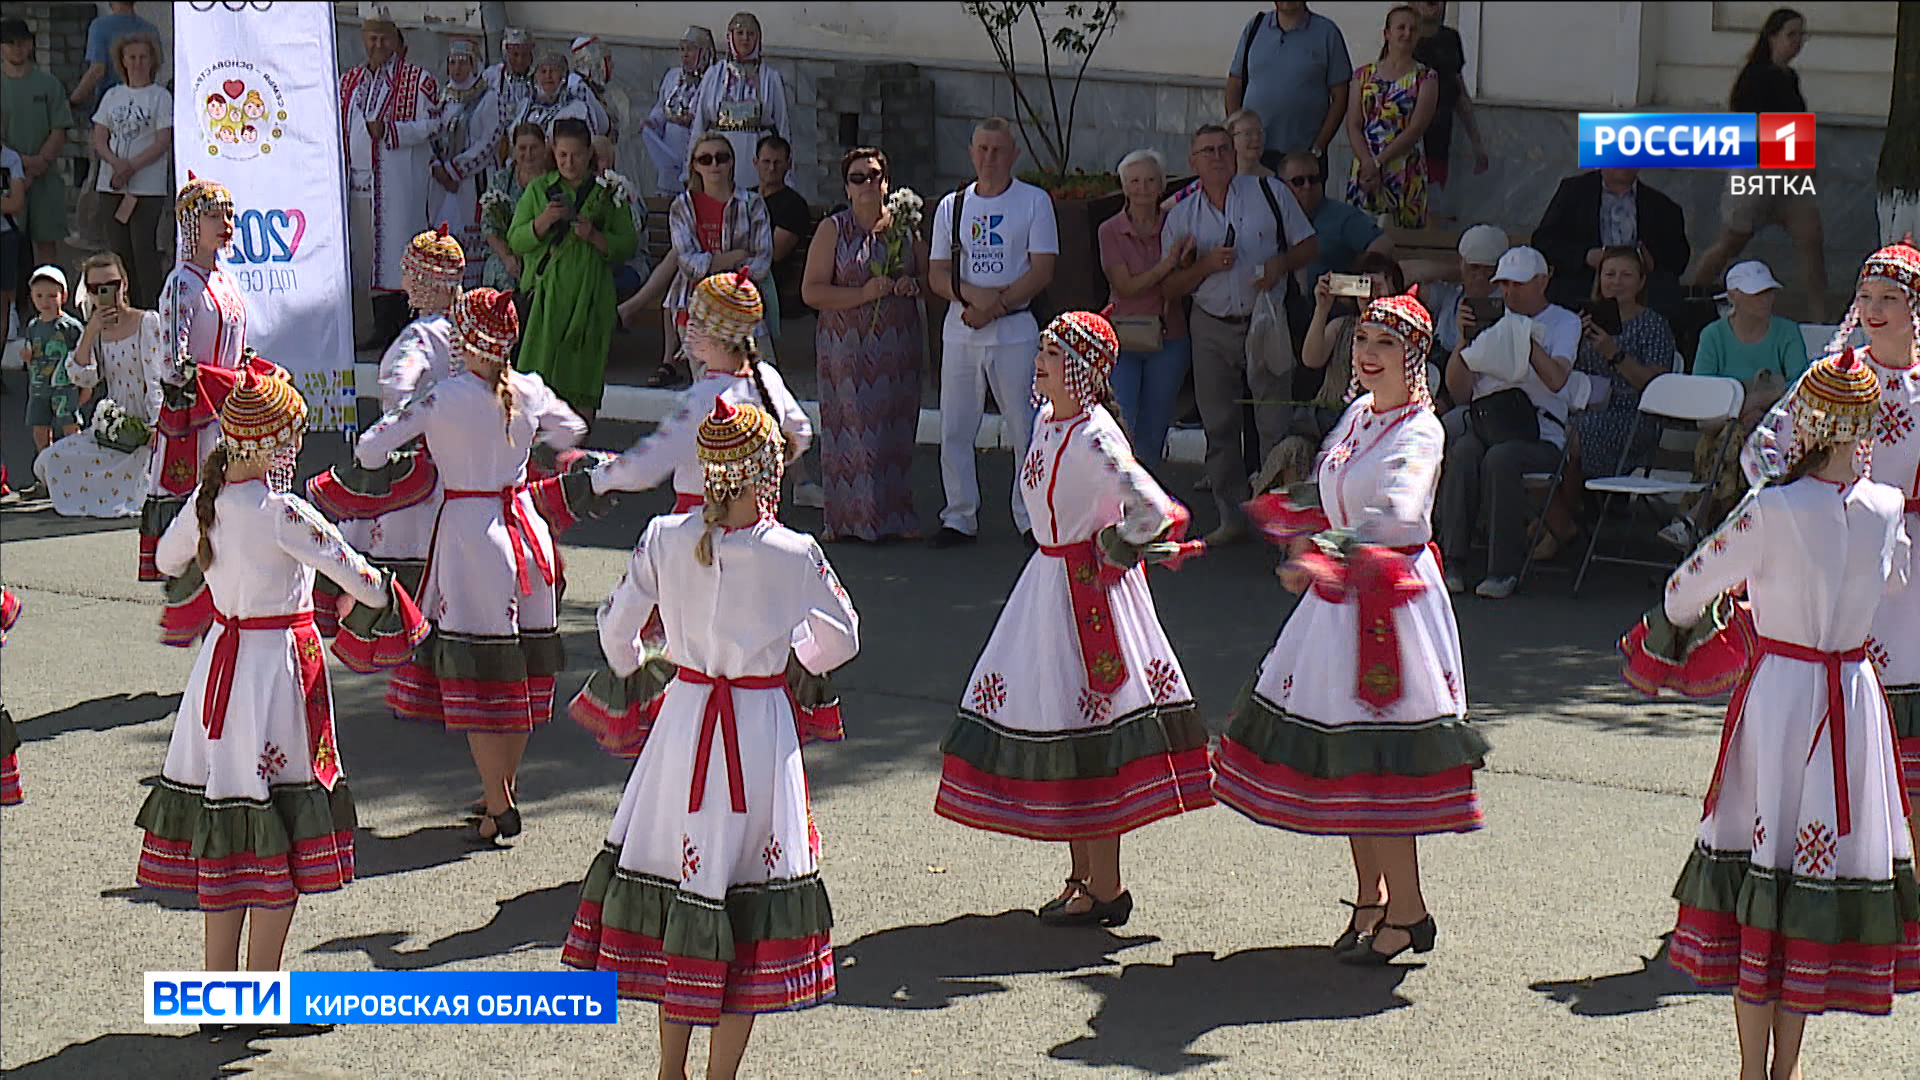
(1899, 171)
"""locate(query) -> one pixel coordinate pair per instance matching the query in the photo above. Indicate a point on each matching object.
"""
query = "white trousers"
(966, 371)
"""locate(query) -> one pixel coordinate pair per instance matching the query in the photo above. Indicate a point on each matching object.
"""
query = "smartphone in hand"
(1486, 310)
(1604, 313)
(1359, 286)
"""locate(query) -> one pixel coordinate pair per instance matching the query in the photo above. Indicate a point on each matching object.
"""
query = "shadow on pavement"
(100, 714)
(176, 1057)
(532, 920)
(934, 965)
(1628, 991)
(1151, 1013)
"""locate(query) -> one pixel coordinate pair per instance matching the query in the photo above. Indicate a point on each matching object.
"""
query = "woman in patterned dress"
(1388, 110)
(1080, 728)
(1800, 890)
(868, 347)
(532, 159)
(252, 809)
(491, 584)
(1356, 724)
(707, 897)
(120, 354)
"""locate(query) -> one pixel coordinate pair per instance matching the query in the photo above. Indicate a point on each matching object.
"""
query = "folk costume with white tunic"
(252, 808)
(668, 129)
(742, 98)
(9, 738)
(1356, 722)
(390, 179)
(389, 512)
(1800, 889)
(707, 897)
(1077, 721)
(472, 123)
(491, 587)
(512, 90)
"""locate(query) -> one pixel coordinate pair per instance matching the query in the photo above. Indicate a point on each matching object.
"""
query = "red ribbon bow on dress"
(519, 533)
(1377, 580)
(718, 716)
(226, 658)
(1833, 724)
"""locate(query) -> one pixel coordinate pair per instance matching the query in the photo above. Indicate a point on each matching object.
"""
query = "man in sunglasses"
(1344, 229)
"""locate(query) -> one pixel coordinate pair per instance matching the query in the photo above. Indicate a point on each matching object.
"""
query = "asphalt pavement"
(1551, 920)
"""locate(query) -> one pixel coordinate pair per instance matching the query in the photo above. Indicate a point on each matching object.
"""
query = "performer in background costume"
(252, 808)
(1356, 723)
(466, 148)
(743, 98)
(668, 129)
(1077, 724)
(1800, 891)
(491, 583)
(707, 898)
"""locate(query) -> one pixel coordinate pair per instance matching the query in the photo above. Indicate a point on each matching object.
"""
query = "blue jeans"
(1145, 384)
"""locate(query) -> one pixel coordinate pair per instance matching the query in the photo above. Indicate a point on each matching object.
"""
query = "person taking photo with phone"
(101, 471)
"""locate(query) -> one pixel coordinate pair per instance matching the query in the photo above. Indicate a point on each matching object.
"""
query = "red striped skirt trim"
(244, 879)
(1764, 966)
(1365, 804)
(776, 975)
(149, 567)
(1141, 792)
(1910, 766)
(10, 781)
(487, 706)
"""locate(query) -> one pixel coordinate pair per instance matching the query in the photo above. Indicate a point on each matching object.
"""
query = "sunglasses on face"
(861, 179)
(1303, 181)
(105, 286)
(713, 159)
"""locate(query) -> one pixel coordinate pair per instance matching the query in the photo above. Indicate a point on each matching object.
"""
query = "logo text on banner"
(1697, 140)
(382, 997)
(217, 997)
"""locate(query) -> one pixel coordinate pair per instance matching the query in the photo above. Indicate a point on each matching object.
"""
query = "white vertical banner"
(257, 108)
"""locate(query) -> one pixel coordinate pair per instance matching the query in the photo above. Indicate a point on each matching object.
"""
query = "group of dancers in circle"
(433, 556)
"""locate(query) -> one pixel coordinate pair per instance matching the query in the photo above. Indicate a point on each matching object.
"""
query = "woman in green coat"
(571, 232)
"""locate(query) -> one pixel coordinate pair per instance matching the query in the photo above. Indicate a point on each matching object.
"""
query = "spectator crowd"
(1233, 293)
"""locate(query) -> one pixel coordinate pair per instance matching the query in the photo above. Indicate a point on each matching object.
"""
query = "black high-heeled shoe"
(1075, 887)
(506, 825)
(1107, 913)
(1352, 935)
(1420, 937)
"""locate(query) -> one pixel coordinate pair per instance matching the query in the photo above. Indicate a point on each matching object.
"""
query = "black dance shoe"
(1353, 933)
(1420, 938)
(1108, 913)
(1075, 887)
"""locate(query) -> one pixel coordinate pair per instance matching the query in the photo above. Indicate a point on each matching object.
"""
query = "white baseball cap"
(51, 273)
(1749, 277)
(1483, 245)
(1520, 264)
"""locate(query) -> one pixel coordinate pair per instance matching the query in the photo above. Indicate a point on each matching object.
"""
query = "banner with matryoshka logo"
(256, 107)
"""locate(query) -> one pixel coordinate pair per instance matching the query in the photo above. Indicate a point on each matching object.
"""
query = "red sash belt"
(1376, 580)
(719, 715)
(519, 532)
(1833, 723)
(1087, 587)
(226, 656)
(1913, 506)
(685, 503)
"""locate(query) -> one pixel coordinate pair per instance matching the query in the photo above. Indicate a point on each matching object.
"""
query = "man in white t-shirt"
(1007, 244)
(1476, 471)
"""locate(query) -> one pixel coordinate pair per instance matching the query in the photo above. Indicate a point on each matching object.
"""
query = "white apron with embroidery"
(1817, 560)
(83, 478)
(471, 586)
(267, 547)
(1894, 646)
(1078, 478)
(769, 590)
(1378, 475)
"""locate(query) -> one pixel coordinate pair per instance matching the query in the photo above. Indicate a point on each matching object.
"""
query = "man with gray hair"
(1248, 237)
(993, 246)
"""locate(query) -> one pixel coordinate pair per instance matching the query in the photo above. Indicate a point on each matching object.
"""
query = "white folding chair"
(1671, 398)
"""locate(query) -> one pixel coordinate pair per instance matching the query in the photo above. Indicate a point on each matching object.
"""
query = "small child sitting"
(52, 398)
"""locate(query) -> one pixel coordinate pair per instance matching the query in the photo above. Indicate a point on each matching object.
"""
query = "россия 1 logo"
(1735, 141)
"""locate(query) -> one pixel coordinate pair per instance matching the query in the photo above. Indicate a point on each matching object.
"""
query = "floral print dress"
(1386, 108)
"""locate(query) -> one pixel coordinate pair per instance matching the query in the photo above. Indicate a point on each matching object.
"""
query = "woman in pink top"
(1147, 378)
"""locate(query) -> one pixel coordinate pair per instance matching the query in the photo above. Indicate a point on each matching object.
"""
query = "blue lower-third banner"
(382, 997)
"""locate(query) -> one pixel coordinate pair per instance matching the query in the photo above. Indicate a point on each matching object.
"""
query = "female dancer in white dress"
(121, 355)
(388, 512)
(1077, 724)
(1356, 724)
(205, 319)
(669, 125)
(1800, 891)
(252, 808)
(707, 898)
(490, 585)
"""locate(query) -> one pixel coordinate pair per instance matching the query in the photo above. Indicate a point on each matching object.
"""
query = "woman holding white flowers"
(119, 355)
(864, 276)
(572, 230)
